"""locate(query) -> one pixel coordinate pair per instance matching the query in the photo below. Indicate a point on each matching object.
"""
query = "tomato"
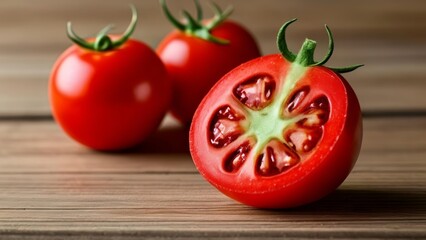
(279, 131)
(110, 93)
(197, 55)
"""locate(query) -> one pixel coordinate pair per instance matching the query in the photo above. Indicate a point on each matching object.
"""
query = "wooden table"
(53, 188)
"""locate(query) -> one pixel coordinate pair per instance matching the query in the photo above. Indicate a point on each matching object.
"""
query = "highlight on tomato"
(110, 92)
(279, 131)
(199, 53)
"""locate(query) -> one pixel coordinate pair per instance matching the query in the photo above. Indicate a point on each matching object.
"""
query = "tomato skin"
(195, 65)
(316, 176)
(109, 100)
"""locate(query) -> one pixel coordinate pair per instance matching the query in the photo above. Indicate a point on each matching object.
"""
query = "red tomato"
(195, 63)
(279, 131)
(109, 99)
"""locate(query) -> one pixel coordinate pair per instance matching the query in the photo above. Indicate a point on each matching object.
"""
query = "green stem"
(282, 42)
(199, 11)
(346, 69)
(194, 26)
(103, 42)
(220, 16)
(180, 26)
(305, 57)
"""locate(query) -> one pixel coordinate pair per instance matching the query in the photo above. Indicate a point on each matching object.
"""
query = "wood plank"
(385, 35)
(369, 22)
(97, 203)
(41, 147)
(49, 194)
(51, 188)
(88, 199)
(165, 232)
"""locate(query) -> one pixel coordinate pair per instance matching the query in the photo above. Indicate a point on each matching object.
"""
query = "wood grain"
(53, 188)
(387, 36)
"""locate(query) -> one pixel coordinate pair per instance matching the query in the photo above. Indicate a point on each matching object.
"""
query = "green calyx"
(194, 26)
(305, 57)
(102, 41)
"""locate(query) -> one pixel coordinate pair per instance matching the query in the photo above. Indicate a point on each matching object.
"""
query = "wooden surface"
(53, 188)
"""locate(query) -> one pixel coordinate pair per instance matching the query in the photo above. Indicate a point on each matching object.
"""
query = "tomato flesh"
(272, 134)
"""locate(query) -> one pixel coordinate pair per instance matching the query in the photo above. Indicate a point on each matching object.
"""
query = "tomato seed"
(237, 158)
(297, 98)
(276, 158)
(256, 93)
(304, 140)
(224, 127)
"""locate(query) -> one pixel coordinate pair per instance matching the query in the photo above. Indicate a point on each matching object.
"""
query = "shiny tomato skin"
(195, 65)
(109, 100)
(320, 172)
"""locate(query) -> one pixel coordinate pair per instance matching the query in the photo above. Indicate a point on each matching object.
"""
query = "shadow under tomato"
(170, 140)
(372, 203)
(174, 140)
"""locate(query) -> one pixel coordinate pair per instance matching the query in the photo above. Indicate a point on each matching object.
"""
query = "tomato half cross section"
(279, 131)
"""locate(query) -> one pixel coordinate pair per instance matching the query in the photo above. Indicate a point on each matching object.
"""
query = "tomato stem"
(200, 14)
(194, 26)
(305, 57)
(306, 54)
(103, 42)
(219, 16)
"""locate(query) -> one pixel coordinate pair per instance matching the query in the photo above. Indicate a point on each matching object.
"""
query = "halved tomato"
(279, 131)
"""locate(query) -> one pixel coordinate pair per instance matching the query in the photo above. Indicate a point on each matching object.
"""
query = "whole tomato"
(199, 53)
(279, 131)
(109, 93)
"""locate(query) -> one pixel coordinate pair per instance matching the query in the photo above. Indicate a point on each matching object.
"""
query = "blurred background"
(389, 37)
